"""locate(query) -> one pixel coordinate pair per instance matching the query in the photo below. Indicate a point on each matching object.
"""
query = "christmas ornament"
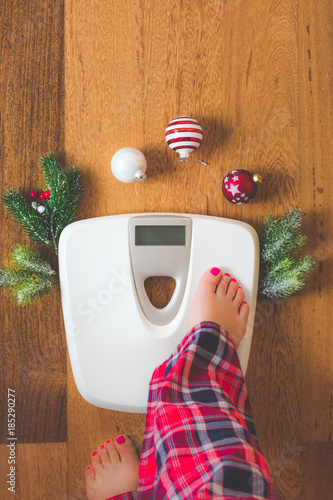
(129, 165)
(280, 275)
(184, 135)
(240, 186)
(32, 277)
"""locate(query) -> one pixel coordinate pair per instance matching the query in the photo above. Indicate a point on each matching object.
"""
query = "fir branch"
(52, 171)
(66, 192)
(11, 277)
(280, 275)
(32, 224)
(28, 292)
(25, 285)
(285, 277)
(31, 279)
(281, 236)
(27, 258)
(65, 204)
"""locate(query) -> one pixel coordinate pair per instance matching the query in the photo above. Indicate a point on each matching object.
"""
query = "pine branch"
(25, 285)
(26, 258)
(11, 277)
(66, 192)
(31, 279)
(285, 277)
(28, 292)
(281, 237)
(66, 203)
(30, 276)
(52, 171)
(32, 224)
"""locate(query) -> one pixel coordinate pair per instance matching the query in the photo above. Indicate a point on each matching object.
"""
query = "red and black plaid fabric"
(200, 441)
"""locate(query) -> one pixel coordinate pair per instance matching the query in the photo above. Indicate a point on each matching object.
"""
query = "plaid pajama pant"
(200, 441)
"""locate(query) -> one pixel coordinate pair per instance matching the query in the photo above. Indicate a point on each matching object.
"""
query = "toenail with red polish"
(108, 441)
(120, 440)
(88, 467)
(240, 287)
(233, 279)
(226, 274)
(244, 302)
(102, 446)
(94, 453)
(215, 271)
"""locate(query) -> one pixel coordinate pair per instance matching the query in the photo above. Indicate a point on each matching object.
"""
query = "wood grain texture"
(104, 97)
(316, 157)
(259, 41)
(32, 123)
(40, 471)
(317, 471)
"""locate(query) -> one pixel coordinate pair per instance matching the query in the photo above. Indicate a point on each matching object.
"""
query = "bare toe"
(239, 297)
(209, 280)
(244, 311)
(112, 451)
(224, 283)
(90, 475)
(104, 456)
(126, 449)
(232, 289)
(96, 461)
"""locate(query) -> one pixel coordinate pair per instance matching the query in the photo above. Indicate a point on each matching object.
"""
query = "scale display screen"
(160, 235)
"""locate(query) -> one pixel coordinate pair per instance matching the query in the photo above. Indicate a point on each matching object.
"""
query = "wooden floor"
(85, 78)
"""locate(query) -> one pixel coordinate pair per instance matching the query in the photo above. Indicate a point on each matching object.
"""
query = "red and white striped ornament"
(184, 135)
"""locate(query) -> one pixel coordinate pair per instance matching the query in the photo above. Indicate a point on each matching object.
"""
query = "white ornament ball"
(41, 209)
(129, 165)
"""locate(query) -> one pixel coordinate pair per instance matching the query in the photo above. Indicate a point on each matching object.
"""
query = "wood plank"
(259, 40)
(104, 112)
(31, 106)
(317, 463)
(40, 471)
(274, 381)
(104, 98)
(316, 156)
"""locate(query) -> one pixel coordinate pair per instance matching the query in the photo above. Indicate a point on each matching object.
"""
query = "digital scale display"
(160, 235)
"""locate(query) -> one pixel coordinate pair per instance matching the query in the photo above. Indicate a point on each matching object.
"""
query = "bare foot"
(220, 299)
(114, 469)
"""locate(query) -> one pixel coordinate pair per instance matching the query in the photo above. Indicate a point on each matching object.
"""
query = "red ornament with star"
(240, 186)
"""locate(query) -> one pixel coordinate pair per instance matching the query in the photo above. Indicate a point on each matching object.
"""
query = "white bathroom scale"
(116, 337)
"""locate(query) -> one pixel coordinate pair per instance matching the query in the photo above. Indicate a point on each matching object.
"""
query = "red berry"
(47, 194)
(33, 194)
(41, 196)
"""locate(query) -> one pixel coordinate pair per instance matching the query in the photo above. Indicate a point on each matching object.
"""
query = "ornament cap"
(184, 155)
(257, 178)
(140, 176)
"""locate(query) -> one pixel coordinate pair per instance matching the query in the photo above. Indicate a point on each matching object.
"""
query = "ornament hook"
(188, 159)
